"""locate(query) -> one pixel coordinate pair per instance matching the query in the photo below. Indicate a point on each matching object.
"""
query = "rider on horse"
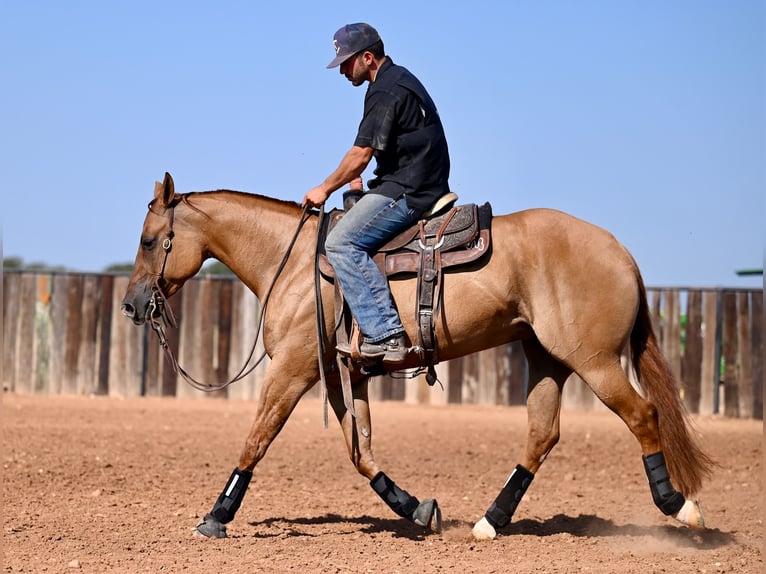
(401, 128)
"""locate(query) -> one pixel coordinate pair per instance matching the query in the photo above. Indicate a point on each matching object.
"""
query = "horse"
(567, 289)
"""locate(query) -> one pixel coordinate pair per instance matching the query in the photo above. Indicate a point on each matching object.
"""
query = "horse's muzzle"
(130, 312)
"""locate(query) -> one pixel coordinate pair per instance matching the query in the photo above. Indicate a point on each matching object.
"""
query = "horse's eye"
(148, 243)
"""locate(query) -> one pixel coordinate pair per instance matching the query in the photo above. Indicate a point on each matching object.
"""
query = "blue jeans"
(369, 224)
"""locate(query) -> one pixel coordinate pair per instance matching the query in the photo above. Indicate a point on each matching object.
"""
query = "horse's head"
(170, 252)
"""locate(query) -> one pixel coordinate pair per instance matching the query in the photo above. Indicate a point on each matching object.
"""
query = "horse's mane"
(279, 205)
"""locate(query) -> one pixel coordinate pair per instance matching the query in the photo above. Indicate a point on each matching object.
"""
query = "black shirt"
(401, 123)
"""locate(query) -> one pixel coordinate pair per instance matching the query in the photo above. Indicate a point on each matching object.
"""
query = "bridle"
(160, 314)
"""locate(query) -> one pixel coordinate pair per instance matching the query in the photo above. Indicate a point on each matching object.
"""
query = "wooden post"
(656, 314)
(392, 389)
(209, 317)
(730, 354)
(223, 350)
(691, 367)
(470, 378)
(126, 349)
(674, 347)
(105, 334)
(671, 343)
(73, 333)
(195, 354)
(455, 386)
(410, 388)
(42, 333)
(503, 374)
(437, 395)
(170, 378)
(744, 363)
(11, 320)
(118, 361)
(86, 380)
(57, 362)
(756, 333)
(152, 364)
(486, 379)
(708, 369)
(244, 325)
(423, 395)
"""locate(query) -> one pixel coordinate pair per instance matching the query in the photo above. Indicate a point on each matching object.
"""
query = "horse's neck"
(251, 234)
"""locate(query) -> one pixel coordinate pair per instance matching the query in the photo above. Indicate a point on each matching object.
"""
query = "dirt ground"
(110, 485)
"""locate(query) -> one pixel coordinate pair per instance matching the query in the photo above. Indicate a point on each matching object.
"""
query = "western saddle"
(446, 236)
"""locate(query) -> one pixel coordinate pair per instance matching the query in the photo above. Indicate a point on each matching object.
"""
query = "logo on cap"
(352, 39)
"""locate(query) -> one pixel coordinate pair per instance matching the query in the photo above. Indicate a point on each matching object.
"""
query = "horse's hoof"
(691, 515)
(209, 527)
(429, 515)
(483, 530)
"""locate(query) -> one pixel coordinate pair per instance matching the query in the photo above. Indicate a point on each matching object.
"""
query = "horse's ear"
(164, 192)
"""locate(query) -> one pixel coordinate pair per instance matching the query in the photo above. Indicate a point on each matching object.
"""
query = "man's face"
(356, 69)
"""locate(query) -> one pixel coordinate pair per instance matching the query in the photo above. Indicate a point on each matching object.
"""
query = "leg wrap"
(400, 501)
(501, 511)
(228, 502)
(666, 498)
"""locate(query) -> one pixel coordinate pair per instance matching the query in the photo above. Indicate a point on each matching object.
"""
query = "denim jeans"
(370, 223)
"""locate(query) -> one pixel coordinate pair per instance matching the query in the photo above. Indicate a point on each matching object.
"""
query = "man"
(402, 130)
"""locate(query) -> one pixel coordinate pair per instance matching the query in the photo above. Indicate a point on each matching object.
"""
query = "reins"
(321, 333)
(161, 315)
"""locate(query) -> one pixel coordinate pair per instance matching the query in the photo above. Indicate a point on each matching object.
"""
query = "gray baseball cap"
(352, 39)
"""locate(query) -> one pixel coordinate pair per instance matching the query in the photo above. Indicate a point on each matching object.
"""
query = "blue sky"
(647, 118)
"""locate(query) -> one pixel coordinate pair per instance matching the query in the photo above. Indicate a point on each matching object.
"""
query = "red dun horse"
(567, 289)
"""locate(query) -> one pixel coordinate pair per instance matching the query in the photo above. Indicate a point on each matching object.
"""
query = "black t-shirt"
(401, 123)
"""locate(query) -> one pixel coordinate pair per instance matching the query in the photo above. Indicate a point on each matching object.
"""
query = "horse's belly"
(477, 311)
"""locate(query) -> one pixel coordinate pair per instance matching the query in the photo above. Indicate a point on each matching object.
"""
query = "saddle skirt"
(461, 235)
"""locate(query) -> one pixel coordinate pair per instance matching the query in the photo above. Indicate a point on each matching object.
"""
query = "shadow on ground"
(581, 526)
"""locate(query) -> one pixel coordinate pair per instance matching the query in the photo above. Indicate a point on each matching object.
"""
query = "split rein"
(160, 314)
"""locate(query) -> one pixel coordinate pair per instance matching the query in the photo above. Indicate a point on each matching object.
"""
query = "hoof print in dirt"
(209, 527)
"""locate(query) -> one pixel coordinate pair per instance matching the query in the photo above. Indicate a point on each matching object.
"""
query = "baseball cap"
(352, 39)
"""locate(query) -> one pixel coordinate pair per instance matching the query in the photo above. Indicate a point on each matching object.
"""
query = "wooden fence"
(63, 333)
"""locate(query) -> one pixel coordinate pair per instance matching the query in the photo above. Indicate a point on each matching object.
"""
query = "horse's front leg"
(358, 434)
(282, 389)
(546, 380)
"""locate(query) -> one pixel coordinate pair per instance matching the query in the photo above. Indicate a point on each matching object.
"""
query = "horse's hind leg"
(358, 434)
(612, 386)
(546, 380)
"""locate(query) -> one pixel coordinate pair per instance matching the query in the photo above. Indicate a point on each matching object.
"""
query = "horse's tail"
(687, 463)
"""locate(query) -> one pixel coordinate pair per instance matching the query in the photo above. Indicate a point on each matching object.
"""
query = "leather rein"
(161, 316)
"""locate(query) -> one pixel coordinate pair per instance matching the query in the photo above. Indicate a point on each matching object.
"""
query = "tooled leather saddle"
(448, 236)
